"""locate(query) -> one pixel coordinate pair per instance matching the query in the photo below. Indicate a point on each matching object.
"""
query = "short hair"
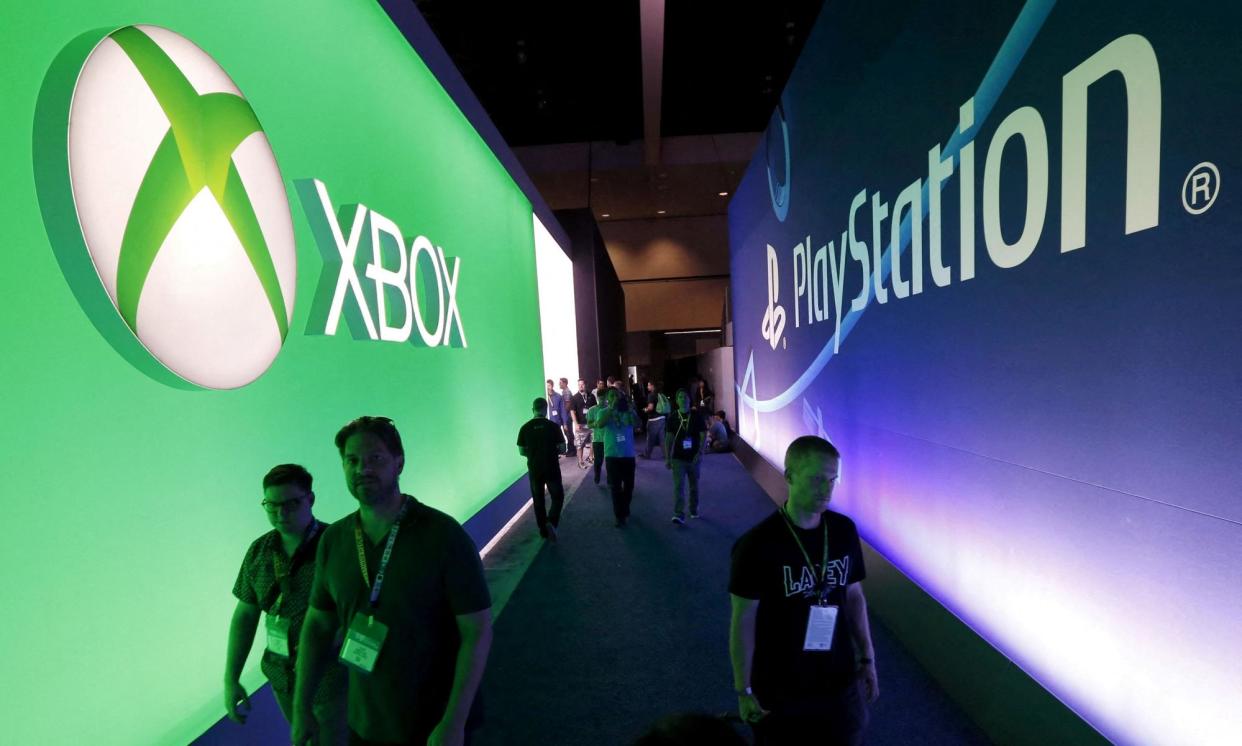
(380, 427)
(678, 393)
(565, 381)
(805, 445)
(581, 380)
(294, 474)
(721, 414)
(549, 381)
(539, 403)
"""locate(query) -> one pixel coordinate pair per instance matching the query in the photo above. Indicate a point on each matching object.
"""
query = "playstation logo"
(774, 316)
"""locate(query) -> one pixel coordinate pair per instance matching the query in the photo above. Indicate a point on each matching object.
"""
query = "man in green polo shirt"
(404, 584)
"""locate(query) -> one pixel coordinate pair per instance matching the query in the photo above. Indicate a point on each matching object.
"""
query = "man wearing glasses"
(275, 578)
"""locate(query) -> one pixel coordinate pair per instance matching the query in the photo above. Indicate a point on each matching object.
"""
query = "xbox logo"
(182, 207)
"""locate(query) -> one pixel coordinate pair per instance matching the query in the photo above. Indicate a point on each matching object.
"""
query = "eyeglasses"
(285, 506)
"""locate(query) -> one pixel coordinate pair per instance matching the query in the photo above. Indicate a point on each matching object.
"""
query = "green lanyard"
(821, 584)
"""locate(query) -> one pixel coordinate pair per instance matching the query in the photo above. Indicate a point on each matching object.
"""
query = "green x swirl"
(196, 152)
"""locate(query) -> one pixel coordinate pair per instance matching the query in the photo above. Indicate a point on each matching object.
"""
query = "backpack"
(662, 404)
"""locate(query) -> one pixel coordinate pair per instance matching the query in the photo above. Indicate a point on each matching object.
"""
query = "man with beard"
(405, 584)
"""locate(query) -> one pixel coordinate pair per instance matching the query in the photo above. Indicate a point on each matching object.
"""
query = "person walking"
(542, 443)
(597, 430)
(799, 639)
(275, 579)
(657, 409)
(618, 420)
(414, 613)
(683, 450)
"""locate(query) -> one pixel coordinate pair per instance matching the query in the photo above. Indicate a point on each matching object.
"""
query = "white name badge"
(620, 437)
(278, 635)
(687, 445)
(363, 642)
(819, 628)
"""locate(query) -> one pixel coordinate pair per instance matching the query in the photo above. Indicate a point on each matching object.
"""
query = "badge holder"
(363, 642)
(820, 625)
(278, 635)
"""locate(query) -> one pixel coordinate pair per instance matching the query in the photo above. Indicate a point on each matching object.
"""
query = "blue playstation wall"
(1040, 422)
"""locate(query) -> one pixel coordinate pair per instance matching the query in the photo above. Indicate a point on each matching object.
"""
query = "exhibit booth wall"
(233, 227)
(991, 251)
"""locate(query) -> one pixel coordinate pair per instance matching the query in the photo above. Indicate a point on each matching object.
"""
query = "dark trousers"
(839, 720)
(655, 435)
(597, 449)
(568, 429)
(621, 484)
(549, 477)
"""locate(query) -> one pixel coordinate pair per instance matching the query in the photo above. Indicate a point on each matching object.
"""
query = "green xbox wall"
(128, 500)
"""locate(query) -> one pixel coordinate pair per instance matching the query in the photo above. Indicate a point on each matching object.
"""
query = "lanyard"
(821, 581)
(283, 572)
(362, 554)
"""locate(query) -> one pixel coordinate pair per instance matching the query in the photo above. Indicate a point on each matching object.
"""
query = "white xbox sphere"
(182, 207)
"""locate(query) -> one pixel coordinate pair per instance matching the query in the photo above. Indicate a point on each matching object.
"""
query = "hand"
(447, 734)
(234, 695)
(305, 730)
(750, 709)
(871, 682)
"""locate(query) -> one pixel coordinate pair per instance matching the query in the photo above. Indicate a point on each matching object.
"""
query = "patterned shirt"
(269, 579)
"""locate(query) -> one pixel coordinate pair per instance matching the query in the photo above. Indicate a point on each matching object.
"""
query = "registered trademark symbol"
(1200, 188)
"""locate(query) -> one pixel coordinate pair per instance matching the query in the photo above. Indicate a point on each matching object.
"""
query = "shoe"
(551, 534)
(680, 521)
(695, 514)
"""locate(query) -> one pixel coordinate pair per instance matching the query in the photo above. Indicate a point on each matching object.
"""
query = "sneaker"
(551, 534)
(695, 514)
(680, 521)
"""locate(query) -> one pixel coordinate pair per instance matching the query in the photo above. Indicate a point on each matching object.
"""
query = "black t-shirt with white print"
(769, 567)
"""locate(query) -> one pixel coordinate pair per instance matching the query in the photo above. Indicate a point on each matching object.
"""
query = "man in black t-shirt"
(542, 442)
(403, 584)
(799, 639)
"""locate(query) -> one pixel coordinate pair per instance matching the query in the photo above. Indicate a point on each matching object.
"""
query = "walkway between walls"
(606, 631)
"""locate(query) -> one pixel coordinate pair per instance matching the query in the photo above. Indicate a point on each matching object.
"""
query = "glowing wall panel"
(129, 496)
(992, 252)
(557, 320)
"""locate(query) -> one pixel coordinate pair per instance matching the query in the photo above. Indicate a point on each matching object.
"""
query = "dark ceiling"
(560, 72)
